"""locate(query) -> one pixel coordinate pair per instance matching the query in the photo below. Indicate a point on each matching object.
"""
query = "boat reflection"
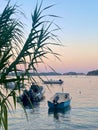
(32, 106)
(57, 112)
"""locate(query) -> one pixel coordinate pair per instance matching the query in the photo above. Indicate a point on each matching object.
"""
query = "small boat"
(59, 101)
(13, 85)
(34, 94)
(53, 81)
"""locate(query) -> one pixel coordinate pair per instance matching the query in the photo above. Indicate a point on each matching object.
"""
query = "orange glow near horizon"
(79, 35)
(75, 57)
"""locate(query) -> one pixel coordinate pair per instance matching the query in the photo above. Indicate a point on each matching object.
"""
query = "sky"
(79, 35)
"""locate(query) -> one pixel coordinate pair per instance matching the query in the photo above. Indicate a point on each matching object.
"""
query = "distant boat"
(34, 94)
(53, 81)
(13, 85)
(59, 100)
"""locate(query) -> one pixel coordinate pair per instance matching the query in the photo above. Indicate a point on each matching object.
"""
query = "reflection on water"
(56, 112)
(32, 106)
(82, 115)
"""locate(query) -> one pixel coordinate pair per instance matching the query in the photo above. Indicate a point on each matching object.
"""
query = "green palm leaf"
(15, 52)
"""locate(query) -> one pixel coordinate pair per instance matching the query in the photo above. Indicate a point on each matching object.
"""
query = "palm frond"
(15, 52)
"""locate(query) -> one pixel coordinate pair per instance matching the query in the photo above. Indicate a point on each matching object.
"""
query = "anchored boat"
(59, 100)
(34, 94)
(53, 81)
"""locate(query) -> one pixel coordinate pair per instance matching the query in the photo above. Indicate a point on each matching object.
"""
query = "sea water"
(81, 115)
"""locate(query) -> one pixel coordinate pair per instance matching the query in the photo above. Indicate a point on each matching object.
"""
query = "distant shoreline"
(90, 73)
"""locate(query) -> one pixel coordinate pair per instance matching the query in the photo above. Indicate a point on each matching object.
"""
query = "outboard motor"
(55, 100)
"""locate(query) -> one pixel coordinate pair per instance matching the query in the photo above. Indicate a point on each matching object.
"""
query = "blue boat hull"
(59, 105)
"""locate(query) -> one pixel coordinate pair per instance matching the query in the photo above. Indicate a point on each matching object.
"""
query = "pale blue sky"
(79, 34)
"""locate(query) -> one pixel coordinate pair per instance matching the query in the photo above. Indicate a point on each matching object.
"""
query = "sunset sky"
(79, 35)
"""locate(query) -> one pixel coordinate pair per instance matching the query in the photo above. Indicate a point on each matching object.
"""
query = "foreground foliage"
(15, 53)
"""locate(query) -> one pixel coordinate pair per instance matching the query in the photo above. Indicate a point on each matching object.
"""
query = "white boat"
(53, 81)
(59, 100)
(34, 94)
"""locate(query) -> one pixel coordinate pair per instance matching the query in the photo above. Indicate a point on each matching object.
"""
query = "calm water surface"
(82, 114)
